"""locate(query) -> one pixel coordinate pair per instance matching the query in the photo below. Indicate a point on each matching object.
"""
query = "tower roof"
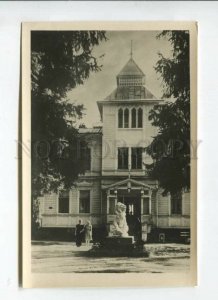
(131, 68)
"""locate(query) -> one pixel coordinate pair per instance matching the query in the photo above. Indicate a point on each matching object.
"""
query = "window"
(136, 158)
(137, 93)
(133, 118)
(122, 158)
(84, 202)
(146, 204)
(63, 202)
(136, 120)
(139, 118)
(126, 118)
(120, 118)
(85, 155)
(176, 203)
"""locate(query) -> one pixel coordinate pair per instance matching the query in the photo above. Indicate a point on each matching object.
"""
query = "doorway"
(133, 213)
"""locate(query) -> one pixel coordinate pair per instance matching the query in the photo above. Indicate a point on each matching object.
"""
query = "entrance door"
(133, 214)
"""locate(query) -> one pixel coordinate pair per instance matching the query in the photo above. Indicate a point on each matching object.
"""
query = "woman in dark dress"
(79, 233)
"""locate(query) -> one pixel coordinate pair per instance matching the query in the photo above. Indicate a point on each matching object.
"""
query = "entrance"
(133, 213)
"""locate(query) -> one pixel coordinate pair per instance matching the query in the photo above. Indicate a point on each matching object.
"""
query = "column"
(150, 195)
(129, 158)
(108, 193)
(141, 204)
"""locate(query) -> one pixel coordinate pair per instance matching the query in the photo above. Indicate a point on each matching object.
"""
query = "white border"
(11, 15)
(102, 280)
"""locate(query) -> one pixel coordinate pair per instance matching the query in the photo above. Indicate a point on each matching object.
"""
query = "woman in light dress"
(88, 232)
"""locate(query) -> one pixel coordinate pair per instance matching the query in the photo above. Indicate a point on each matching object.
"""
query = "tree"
(60, 60)
(170, 148)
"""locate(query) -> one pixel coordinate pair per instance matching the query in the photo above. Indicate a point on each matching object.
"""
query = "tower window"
(136, 158)
(139, 118)
(133, 118)
(126, 118)
(122, 158)
(120, 118)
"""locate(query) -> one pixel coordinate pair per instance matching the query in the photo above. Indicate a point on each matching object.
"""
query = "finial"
(131, 50)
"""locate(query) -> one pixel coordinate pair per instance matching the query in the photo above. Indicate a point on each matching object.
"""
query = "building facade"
(116, 171)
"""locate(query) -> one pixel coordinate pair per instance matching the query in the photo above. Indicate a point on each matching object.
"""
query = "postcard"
(109, 115)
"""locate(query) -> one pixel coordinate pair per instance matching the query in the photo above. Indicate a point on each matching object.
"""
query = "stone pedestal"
(117, 241)
(118, 246)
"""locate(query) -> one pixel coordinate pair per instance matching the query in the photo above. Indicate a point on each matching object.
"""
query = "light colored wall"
(165, 219)
(95, 144)
(109, 136)
(163, 203)
(74, 204)
(48, 204)
(51, 217)
(114, 137)
(186, 204)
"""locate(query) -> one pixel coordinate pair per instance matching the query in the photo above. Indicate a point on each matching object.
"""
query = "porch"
(137, 198)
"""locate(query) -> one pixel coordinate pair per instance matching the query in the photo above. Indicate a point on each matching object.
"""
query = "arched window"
(126, 118)
(133, 118)
(139, 118)
(120, 118)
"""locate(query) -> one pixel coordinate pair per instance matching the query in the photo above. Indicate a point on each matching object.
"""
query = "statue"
(120, 227)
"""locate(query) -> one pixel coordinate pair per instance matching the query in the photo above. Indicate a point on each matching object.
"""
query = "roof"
(131, 68)
(121, 93)
(91, 130)
(130, 181)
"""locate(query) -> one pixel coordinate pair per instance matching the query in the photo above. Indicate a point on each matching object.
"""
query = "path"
(64, 257)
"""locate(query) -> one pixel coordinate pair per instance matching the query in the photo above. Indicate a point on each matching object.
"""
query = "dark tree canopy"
(60, 60)
(170, 149)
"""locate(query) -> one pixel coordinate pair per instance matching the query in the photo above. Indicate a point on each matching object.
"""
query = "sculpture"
(120, 227)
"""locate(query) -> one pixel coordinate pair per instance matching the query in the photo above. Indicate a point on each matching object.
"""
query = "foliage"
(60, 60)
(170, 148)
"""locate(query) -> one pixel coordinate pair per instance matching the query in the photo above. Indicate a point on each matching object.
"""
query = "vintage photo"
(109, 111)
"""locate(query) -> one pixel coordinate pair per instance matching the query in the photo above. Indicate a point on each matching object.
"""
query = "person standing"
(79, 233)
(88, 232)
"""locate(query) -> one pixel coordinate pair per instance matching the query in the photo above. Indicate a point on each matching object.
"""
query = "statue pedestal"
(117, 241)
(118, 246)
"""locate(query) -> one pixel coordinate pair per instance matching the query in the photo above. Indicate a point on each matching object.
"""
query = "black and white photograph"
(110, 180)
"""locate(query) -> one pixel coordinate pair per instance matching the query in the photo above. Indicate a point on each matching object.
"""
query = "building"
(116, 171)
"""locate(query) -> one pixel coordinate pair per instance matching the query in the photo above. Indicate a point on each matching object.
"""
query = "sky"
(116, 51)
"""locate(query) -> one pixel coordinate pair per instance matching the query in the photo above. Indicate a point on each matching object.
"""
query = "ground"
(65, 257)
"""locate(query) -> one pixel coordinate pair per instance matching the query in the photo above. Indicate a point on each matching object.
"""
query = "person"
(88, 232)
(79, 233)
(138, 228)
(131, 223)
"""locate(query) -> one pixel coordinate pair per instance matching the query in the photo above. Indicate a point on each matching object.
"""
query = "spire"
(131, 51)
(131, 68)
